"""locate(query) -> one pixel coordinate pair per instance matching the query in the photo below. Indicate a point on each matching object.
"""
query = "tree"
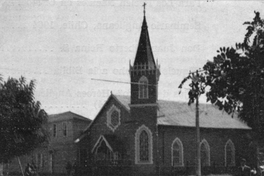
(236, 75)
(235, 78)
(21, 119)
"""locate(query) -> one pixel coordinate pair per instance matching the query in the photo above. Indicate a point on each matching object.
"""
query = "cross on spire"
(144, 6)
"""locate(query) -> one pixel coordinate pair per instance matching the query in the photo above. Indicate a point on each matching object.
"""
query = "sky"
(64, 45)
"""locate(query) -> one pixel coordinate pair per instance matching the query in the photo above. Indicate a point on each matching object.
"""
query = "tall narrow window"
(83, 157)
(143, 146)
(229, 153)
(39, 160)
(177, 153)
(143, 88)
(205, 153)
(54, 130)
(64, 129)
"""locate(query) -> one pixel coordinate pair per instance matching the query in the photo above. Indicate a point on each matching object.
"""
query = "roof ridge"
(58, 113)
(75, 114)
(79, 115)
(176, 101)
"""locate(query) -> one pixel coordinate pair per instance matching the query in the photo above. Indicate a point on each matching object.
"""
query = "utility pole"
(197, 90)
(198, 153)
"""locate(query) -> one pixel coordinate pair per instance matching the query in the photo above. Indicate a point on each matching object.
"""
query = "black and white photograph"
(131, 88)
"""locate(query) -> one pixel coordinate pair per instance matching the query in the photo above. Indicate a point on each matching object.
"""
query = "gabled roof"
(66, 116)
(115, 98)
(144, 53)
(173, 113)
(112, 96)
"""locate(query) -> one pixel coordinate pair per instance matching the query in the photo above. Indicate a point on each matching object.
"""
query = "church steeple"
(144, 73)
(144, 53)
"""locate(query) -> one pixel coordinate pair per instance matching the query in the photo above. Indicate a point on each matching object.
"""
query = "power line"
(122, 82)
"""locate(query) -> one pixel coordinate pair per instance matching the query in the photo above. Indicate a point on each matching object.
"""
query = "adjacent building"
(52, 157)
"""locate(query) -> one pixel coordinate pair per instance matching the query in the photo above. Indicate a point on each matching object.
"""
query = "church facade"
(141, 135)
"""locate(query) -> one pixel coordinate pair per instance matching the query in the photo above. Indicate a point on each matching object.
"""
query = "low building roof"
(66, 116)
(173, 113)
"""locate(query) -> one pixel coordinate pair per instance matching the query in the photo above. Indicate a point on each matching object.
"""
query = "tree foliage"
(21, 119)
(235, 77)
(197, 85)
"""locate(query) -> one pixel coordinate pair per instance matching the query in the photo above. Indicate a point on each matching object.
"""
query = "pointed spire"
(144, 53)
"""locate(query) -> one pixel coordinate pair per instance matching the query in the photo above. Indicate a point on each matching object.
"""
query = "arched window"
(177, 153)
(143, 146)
(205, 153)
(229, 153)
(102, 150)
(143, 88)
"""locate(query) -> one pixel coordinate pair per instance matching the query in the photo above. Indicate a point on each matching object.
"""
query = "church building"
(142, 135)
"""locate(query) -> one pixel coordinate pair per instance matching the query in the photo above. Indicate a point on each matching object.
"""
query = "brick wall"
(216, 139)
